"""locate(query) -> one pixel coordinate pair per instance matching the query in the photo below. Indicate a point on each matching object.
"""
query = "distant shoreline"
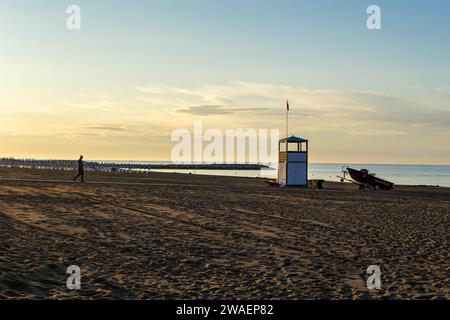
(117, 166)
(167, 162)
(426, 175)
(58, 175)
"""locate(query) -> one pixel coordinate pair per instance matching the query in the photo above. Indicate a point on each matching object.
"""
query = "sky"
(137, 70)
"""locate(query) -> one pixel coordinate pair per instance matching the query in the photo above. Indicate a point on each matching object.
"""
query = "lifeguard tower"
(293, 162)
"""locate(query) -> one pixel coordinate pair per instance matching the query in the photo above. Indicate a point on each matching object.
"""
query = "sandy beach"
(173, 236)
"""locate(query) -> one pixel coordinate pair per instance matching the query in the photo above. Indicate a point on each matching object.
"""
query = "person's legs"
(79, 174)
(82, 176)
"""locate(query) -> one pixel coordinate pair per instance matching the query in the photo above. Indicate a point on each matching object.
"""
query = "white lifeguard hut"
(293, 162)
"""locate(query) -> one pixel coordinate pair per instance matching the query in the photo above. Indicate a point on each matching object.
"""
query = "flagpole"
(287, 119)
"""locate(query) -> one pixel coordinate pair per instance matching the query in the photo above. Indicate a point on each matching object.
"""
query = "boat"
(366, 180)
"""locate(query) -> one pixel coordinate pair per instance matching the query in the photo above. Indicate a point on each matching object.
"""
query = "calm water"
(399, 174)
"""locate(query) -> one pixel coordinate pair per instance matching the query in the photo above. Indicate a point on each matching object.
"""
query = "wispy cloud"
(157, 109)
(93, 103)
(358, 112)
(147, 115)
(103, 128)
(207, 110)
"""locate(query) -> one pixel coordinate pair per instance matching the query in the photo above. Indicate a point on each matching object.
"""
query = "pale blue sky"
(318, 49)
(308, 43)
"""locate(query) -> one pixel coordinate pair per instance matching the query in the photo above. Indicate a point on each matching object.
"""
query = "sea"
(430, 175)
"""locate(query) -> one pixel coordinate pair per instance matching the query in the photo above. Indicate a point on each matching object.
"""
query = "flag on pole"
(287, 117)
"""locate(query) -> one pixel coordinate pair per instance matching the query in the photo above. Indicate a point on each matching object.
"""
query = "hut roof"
(293, 139)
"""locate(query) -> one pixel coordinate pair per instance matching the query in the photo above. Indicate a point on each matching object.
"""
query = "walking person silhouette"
(80, 170)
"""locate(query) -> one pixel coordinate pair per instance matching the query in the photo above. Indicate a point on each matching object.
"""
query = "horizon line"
(194, 162)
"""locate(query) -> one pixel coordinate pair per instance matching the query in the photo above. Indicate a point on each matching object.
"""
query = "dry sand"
(173, 236)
